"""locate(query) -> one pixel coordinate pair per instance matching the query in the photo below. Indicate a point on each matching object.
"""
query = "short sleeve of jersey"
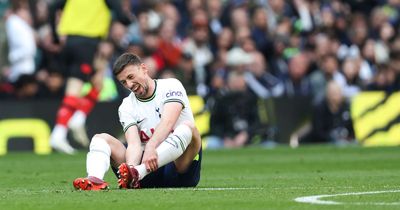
(175, 92)
(126, 114)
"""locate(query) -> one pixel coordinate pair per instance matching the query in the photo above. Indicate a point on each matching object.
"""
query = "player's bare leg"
(102, 148)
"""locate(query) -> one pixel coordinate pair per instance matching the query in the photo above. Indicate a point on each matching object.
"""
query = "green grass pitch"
(250, 178)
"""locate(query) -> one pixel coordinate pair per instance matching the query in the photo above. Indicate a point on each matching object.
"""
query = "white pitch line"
(312, 188)
(315, 199)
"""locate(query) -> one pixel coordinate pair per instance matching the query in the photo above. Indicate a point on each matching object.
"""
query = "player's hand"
(150, 158)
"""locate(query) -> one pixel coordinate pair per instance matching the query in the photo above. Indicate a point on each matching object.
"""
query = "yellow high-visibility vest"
(89, 18)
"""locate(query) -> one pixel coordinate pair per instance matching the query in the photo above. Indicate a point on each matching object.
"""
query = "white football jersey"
(146, 113)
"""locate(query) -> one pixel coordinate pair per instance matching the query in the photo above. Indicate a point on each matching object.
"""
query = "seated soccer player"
(163, 144)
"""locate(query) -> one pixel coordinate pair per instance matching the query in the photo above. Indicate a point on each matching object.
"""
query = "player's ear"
(144, 68)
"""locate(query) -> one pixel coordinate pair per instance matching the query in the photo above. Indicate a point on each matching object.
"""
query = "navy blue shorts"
(167, 176)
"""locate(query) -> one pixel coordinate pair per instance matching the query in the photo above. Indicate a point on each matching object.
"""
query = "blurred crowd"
(231, 53)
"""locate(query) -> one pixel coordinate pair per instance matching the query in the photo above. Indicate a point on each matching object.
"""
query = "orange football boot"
(128, 177)
(90, 183)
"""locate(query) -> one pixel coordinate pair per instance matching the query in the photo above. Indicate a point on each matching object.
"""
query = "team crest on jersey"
(158, 111)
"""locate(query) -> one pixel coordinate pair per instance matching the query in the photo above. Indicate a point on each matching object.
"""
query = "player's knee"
(105, 136)
(196, 138)
(184, 132)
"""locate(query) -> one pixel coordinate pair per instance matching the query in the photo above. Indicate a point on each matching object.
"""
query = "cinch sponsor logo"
(174, 93)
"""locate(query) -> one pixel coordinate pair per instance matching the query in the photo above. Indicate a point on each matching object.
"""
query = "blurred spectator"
(21, 43)
(187, 9)
(146, 21)
(331, 122)
(170, 12)
(53, 86)
(239, 18)
(238, 59)
(329, 70)
(217, 75)
(395, 64)
(235, 13)
(384, 79)
(260, 81)
(242, 34)
(118, 37)
(224, 42)
(323, 46)
(297, 82)
(186, 74)
(351, 72)
(276, 60)
(304, 23)
(161, 43)
(259, 31)
(214, 9)
(26, 87)
(169, 48)
(368, 61)
(358, 29)
(232, 120)
(276, 11)
(197, 44)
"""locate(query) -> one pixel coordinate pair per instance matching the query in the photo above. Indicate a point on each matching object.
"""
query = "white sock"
(170, 149)
(78, 119)
(59, 133)
(58, 140)
(98, 158)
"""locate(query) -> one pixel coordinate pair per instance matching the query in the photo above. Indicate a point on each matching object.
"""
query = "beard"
(142, 91)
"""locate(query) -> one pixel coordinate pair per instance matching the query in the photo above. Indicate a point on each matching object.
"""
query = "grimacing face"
(135, 79)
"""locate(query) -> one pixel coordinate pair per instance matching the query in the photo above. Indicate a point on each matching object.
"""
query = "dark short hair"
(125, 60)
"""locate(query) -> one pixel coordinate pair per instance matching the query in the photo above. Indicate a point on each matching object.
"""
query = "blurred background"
(259, 72)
